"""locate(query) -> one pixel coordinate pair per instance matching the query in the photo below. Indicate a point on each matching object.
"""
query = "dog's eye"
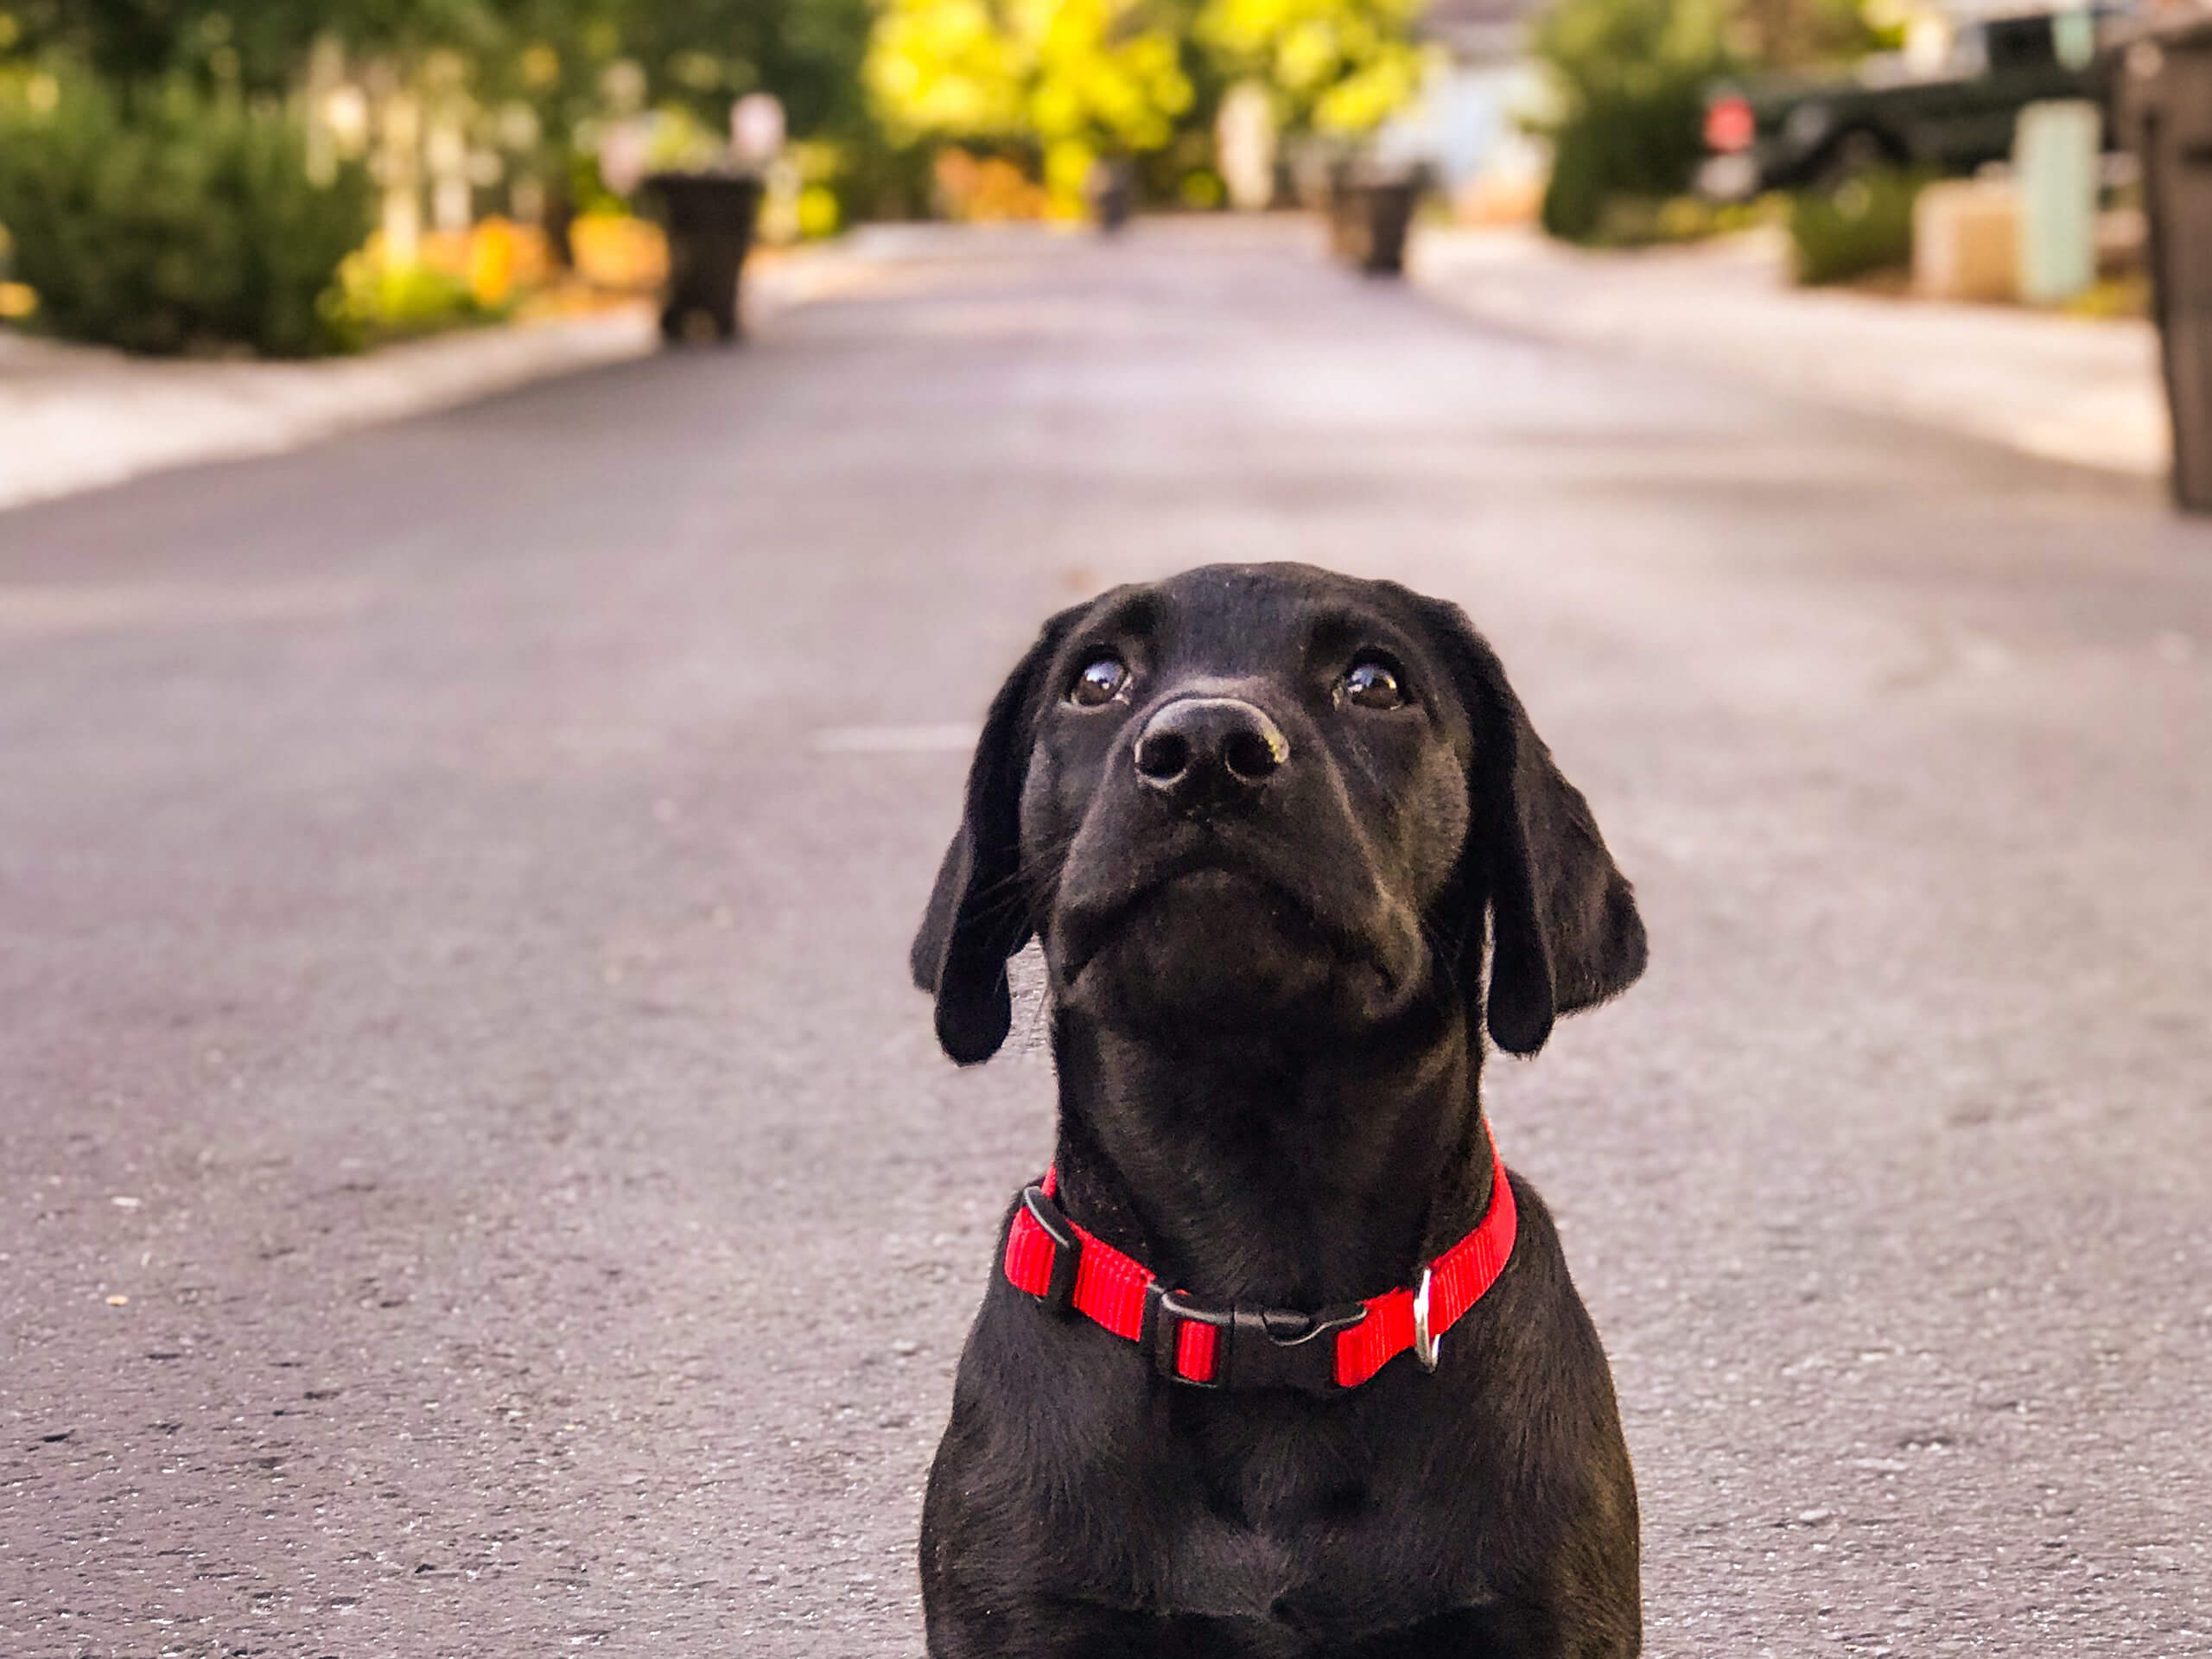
(1100, 681)
(1372, 685)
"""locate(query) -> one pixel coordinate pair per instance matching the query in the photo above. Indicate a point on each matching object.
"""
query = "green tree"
(697, 52)
(550, 55)
(259, 44)
(699, 55)
(702, 54)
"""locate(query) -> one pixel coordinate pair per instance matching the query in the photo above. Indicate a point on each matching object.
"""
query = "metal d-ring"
(1426, 1345)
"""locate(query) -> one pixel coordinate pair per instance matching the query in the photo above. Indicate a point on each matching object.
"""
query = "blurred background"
(302, 178)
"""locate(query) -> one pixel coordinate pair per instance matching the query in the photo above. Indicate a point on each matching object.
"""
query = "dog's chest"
(1283, 1478)
(1282, 1521)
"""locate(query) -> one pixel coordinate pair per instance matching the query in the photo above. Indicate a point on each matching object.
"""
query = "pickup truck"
(1951, 116)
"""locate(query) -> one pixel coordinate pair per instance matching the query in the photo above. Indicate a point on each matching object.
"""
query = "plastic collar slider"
(1067, 1250)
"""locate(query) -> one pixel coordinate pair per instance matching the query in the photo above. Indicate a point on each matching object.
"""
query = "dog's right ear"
(1565, 930)
(979, 911)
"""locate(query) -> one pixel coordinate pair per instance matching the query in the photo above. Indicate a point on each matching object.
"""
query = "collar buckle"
(1253, 1347)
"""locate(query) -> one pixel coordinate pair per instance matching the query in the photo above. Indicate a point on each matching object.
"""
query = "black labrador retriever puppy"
(1277, 1361)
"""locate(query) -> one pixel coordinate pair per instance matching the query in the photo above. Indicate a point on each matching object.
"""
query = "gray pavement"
(76, 417)
(452, 892)
(2084, 390)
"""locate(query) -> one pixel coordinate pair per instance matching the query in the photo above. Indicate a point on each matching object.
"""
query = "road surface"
(474, 1179)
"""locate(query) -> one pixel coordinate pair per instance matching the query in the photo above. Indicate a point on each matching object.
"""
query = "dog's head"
(1270, 798)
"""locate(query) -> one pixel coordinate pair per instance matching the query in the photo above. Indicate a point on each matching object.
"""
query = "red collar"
(1071, 1271)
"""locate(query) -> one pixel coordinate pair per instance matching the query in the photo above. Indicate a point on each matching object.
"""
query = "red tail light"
(1730, 125)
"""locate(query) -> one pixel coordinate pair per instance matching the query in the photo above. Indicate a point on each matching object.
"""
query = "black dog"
(1264, 820)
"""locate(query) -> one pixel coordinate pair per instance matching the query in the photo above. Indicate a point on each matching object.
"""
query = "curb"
(2087, 393)
(79, 417)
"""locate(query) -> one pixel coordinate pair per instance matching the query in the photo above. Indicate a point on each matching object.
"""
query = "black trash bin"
(708, 217)
(1111, 189)
(2166, 113)
(1368, 217)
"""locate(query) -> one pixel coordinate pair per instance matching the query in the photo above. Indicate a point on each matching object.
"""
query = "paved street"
(455, 884)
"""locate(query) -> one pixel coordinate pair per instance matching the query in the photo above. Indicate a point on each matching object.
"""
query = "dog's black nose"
(1203, 751)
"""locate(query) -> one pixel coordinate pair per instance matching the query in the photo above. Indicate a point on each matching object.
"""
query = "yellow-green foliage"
(1340, 67)
(1074, 77)
(375, 302)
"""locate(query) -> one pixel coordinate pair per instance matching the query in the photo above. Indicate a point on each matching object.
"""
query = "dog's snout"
(1198, 751)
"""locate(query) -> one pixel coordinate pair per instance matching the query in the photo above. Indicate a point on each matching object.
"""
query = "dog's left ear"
(1565, 933)
(978, 914)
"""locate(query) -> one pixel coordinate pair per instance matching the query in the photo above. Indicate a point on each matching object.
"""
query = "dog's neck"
(1256, 1173)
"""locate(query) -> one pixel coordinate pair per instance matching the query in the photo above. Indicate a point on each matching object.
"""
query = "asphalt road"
(454, 885)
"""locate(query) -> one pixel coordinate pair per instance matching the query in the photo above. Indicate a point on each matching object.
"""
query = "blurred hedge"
(1864, 224)
(1630, 77)
(173, 221)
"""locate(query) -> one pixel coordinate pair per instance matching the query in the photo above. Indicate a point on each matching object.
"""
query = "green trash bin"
(2166, 115)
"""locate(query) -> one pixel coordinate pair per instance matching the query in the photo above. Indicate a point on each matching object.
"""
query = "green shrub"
(1630, 77)
(1632, 146)
(1641, 222)
(175, 222)
(1864, 224)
